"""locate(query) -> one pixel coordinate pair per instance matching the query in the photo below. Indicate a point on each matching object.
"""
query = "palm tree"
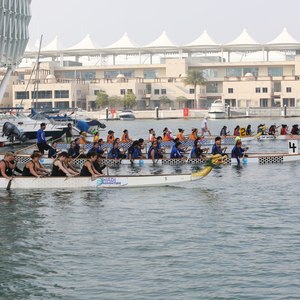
(195, 78)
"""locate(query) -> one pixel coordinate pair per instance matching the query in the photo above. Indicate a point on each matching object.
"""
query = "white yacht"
(218, 110)
(126, 115)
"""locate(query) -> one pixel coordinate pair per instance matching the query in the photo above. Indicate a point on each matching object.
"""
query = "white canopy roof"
(283, 38)
(163, 41)
(123, 43)
(54, 45)
(85, 44)
(203, 40)
(244, 39)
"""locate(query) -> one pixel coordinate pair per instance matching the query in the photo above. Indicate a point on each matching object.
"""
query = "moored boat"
(218, 110)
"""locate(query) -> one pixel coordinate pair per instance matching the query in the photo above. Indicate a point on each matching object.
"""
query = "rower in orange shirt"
(125, 137)
(180, 135)
(194, 134)
(110, 137)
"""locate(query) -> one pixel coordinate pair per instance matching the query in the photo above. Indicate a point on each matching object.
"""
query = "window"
(114, 73)
(150, 74)
(212, 87)
(277, 86)
(253, 71)
(22, 95)
(257, 90)
(156, 91)
(290, 102)
(191, 91)
(288, 89)
(236, 72)
(122, 91)
(230, 90)
(96, 92)
(264, 102)
(61, 94)
(264, 90)
(148, 88)
(275, 71)
(210, 73)
(163, 91)
(41, 95)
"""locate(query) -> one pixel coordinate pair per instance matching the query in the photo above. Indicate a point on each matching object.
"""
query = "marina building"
(243, 73)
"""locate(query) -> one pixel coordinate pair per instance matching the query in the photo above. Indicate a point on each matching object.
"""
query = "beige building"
(243, 73)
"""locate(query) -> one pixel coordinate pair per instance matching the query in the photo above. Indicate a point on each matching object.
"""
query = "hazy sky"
(144, 21)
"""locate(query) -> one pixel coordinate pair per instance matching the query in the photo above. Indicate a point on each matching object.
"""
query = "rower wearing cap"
(180, 135)
(110, 136)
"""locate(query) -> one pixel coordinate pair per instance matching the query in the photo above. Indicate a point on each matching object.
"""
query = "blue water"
(233, 235)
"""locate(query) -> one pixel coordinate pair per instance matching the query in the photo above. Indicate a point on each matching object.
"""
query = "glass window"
(62, 104)
(163, 91)
(122, 91)
(210, 73)
(275, 71)
(22, 95)
(264, 90)
(114, 73)
(156, 91)
(61, 94)
(230, 90)
(41, 95)
(264, 102)
(212, 87)
(96, 92)
(148, 88)
(257, 90)
(150, 74)
(288, 89)
(233, 72)
(277, 86)
(253, 71)
(191, 91)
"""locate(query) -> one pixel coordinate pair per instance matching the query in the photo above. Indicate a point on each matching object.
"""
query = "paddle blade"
(9, 185)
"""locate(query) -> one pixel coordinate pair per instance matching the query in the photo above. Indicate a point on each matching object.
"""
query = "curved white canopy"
(54, 45)
(244, 39)
(124, 42)
(163, 41)
(85, 44)
(203, 40)
(284, 38)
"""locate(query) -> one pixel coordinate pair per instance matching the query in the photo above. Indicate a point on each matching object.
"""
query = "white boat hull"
(133, 181)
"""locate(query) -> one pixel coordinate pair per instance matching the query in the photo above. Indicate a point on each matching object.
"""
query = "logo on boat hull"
(111, 181)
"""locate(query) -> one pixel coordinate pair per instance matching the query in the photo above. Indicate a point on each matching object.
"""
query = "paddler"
(58, 169)
(125, 137)
(238, 152)
(88, 168)
(180, 135)
(216, 148)
(153, 152)
(30, 168)
(197, 152)
(6, 169)
(194, 134)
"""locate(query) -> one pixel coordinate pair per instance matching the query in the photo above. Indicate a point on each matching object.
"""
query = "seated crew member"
(180, 135)
(88, 168)
(194, 134)
(98, 164)
(167, 135)
(68, 165)
(224, 131)
(115, 152)
(151, 137)
(13, 165)
(161, 150)
(95, 148)
(137, 150)
(177, 151)
(52, 152)
(40, 169)
(197, 152)
(6, 169)
(125, 137)
(74, 150)
(58, 168)
(153, 152)
(295, 129)
(238, 152)
(30, 168)
(216, 148)
(110, 136)
(130, 150)
(96, 136)
(236, 131)
(284, 129)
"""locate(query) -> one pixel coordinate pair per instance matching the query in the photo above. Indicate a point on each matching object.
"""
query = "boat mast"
(37, 75)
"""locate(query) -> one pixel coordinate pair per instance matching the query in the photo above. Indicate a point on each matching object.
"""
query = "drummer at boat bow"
(6, 169)
(41, 139)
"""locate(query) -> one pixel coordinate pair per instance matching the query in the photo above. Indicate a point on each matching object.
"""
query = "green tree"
(102, 99)
(195, 78)
(165, 100)
(182, 101)
(115, 101)
(129, 100)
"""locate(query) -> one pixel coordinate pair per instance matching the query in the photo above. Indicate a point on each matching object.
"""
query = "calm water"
(233, 235)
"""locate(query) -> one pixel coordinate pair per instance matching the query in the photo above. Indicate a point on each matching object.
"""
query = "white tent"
(204, 40)
(244, 39)
(163, 41)
(54, 45)
(284, 39)
(85, 44)
(123, 43)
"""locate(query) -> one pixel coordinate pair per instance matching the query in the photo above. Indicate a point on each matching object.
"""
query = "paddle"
(9, 184)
